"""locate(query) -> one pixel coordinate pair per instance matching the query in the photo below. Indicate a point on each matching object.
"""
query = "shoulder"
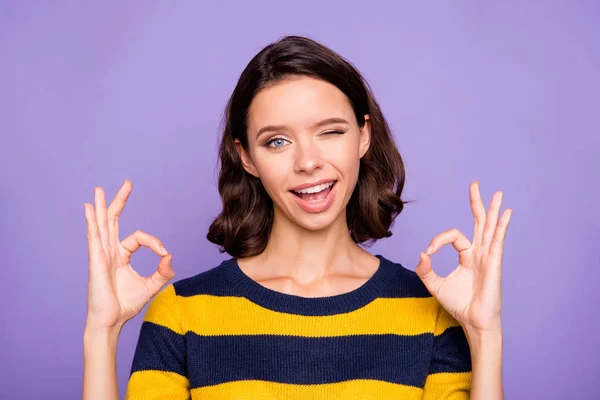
(407, 284)
(168, 307)
(404, 282)
(409, 297)
(212, 281)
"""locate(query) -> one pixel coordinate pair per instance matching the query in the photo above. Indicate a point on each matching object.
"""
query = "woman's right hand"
(116, 292)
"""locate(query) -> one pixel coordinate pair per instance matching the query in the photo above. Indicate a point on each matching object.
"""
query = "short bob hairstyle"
(243, 227)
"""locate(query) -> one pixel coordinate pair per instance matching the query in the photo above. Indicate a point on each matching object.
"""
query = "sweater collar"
(246, 287)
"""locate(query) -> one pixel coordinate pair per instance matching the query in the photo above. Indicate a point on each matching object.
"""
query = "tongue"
(315, 196)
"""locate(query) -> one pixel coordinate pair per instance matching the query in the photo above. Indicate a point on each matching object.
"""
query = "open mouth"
(315, 193)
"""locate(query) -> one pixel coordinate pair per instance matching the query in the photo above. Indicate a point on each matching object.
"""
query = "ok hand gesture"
(116, 292)
(472, 293)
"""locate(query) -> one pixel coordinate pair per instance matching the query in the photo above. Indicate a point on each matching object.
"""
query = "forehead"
(298, 102)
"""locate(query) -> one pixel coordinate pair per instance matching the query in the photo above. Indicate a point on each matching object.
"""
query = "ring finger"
(491, 220)
(100, 204)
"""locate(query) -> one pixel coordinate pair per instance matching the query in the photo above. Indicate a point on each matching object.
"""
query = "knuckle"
(113, 216)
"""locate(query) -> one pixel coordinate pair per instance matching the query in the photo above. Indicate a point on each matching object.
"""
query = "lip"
(307, 185)
(317, 206)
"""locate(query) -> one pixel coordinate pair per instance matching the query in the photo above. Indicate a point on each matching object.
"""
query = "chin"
(315, 222)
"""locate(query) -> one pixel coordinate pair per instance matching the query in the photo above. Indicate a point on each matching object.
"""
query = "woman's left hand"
(472, 293)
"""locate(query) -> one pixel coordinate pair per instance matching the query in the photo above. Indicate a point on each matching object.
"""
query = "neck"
(307, 255)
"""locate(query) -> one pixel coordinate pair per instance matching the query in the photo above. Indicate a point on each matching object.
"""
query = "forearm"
(486, 359)
(100, 365)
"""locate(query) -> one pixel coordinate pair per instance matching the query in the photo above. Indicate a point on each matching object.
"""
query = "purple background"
(92, 94)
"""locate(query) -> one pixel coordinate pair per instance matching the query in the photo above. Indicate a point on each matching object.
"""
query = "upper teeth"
(315, 189)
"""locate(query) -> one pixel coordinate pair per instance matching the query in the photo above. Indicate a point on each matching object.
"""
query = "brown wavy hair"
(243, 227)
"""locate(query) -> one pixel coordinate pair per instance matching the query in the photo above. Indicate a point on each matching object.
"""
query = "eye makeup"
(269, 142)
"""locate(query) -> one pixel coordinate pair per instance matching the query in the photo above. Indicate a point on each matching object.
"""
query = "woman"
(309, 170)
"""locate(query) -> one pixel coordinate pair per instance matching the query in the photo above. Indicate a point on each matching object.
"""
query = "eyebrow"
(327, 121)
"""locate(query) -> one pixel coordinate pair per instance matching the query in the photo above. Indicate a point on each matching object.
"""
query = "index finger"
(140, 238)
(452, 236)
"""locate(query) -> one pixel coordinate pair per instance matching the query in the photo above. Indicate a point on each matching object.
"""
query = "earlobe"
(365, 136)
(246, 159)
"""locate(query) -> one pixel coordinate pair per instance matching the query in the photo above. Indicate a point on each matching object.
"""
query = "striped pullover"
(221, 335)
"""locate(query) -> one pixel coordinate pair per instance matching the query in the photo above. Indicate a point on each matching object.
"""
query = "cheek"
(349, 167)
(273, 172)
(344, 156)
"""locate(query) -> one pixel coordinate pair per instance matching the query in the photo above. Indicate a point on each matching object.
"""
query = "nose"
(307, 157)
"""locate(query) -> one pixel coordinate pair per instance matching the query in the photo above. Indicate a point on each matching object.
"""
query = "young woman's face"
(303, 131)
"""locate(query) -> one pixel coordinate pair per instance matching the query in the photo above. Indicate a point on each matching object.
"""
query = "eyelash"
(335, 132)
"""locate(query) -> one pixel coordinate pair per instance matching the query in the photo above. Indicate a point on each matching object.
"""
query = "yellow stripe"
(444, 321)
(448, 385)
(348, 390)
(150, 385)
(228, 315)
(163, 310)
(168, 385)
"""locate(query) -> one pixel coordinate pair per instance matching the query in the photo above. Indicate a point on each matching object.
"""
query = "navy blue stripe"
(300, 360)
(159, 348)
(210, 282)
(391, 280)
(451, 352)
(308, 360)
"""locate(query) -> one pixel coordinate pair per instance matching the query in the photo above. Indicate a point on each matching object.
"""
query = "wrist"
(486, 362)
(97, 333)
(492, 331)
(484, 341)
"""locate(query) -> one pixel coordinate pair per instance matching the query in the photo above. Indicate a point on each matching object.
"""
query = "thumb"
(432, 281)
(162, 275)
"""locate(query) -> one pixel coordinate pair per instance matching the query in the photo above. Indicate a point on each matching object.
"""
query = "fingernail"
(163, 251)
(429, 250)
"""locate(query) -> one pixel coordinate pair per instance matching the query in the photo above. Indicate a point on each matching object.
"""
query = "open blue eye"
(279, 142)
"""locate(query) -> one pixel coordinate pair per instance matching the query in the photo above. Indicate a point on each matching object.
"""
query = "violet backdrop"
(92, 93)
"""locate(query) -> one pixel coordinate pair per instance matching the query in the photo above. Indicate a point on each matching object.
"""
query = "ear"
(246, 159)
(365, 136)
